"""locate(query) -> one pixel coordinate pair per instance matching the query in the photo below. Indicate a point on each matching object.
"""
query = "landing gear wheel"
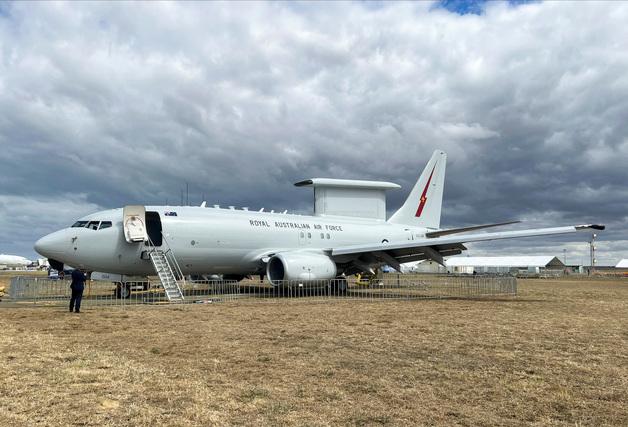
(123, 291)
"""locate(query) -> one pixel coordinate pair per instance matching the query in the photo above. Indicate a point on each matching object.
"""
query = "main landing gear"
(123, 290)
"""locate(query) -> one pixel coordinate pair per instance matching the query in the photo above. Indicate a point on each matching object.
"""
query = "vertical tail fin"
(423, 205)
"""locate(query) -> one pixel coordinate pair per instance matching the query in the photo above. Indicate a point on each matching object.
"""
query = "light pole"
(592, 253)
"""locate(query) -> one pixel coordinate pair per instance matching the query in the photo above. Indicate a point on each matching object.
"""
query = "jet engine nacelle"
(300, 268)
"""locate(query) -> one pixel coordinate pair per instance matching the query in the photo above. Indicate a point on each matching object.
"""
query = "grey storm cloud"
(107, 104)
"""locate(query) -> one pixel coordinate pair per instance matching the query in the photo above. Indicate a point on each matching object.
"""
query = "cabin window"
(79, 224)
(302, 234)
(93, 225)
(328, 235)
(309, 235)
(105, 224)
(322, 235)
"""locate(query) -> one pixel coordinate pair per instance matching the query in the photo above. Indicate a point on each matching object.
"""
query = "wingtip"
(591, 226)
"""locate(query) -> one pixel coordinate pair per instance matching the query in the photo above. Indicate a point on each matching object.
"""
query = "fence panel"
(30, 290)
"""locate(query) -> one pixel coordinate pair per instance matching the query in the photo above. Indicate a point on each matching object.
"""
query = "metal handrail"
(151, 247)
(174, 258)
(169, 250)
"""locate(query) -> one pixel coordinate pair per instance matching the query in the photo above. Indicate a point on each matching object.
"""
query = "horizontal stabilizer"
(440, 233)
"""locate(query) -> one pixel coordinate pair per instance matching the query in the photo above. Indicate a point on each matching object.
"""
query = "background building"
(622, 264)
(520, 265)
(622, 267)
(423, 266)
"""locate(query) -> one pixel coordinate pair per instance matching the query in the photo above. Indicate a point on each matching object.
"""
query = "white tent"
(423, 266)
(622, 264)
(505, 261)
(503, 264)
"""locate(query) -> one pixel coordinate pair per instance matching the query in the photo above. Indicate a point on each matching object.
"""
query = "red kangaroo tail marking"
(423, 198)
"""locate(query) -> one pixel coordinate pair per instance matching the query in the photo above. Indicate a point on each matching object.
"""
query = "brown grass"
(556, 355)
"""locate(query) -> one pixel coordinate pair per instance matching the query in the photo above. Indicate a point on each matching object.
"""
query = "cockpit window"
(105, 224)
(92, 225)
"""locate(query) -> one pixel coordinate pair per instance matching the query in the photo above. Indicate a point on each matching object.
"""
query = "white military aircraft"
(13, 261)
(347, 234)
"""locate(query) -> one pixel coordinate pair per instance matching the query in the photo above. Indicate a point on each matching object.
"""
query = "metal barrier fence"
(29, 290)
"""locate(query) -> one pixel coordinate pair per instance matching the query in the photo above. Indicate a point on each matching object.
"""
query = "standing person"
(77, 286)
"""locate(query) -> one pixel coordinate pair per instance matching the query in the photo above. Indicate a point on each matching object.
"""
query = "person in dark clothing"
(77, 286)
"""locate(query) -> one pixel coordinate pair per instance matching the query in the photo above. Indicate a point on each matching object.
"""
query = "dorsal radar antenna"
(336, 197)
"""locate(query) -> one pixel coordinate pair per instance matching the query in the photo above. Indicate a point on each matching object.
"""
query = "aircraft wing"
(359, 257)
(440, 233)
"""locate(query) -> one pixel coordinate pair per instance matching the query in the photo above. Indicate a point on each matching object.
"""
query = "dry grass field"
(555, 355)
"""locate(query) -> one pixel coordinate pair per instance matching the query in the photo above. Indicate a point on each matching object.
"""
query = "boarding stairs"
(164, 269)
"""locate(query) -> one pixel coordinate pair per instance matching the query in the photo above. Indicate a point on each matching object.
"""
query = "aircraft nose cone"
(51, 245)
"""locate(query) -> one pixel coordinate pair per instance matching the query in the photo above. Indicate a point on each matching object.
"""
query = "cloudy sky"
(107, 104)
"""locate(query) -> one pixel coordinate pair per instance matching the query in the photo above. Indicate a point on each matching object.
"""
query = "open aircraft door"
(134, 221)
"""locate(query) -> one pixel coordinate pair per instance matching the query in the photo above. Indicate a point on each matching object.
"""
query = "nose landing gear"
(123, 290)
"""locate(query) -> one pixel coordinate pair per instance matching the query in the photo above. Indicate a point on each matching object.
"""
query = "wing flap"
(445, 250)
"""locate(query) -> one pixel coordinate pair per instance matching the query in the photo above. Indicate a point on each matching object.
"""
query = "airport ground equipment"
(166, 276)
(167, 269)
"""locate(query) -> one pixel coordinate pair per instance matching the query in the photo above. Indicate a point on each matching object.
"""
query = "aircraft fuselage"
(214, 240)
